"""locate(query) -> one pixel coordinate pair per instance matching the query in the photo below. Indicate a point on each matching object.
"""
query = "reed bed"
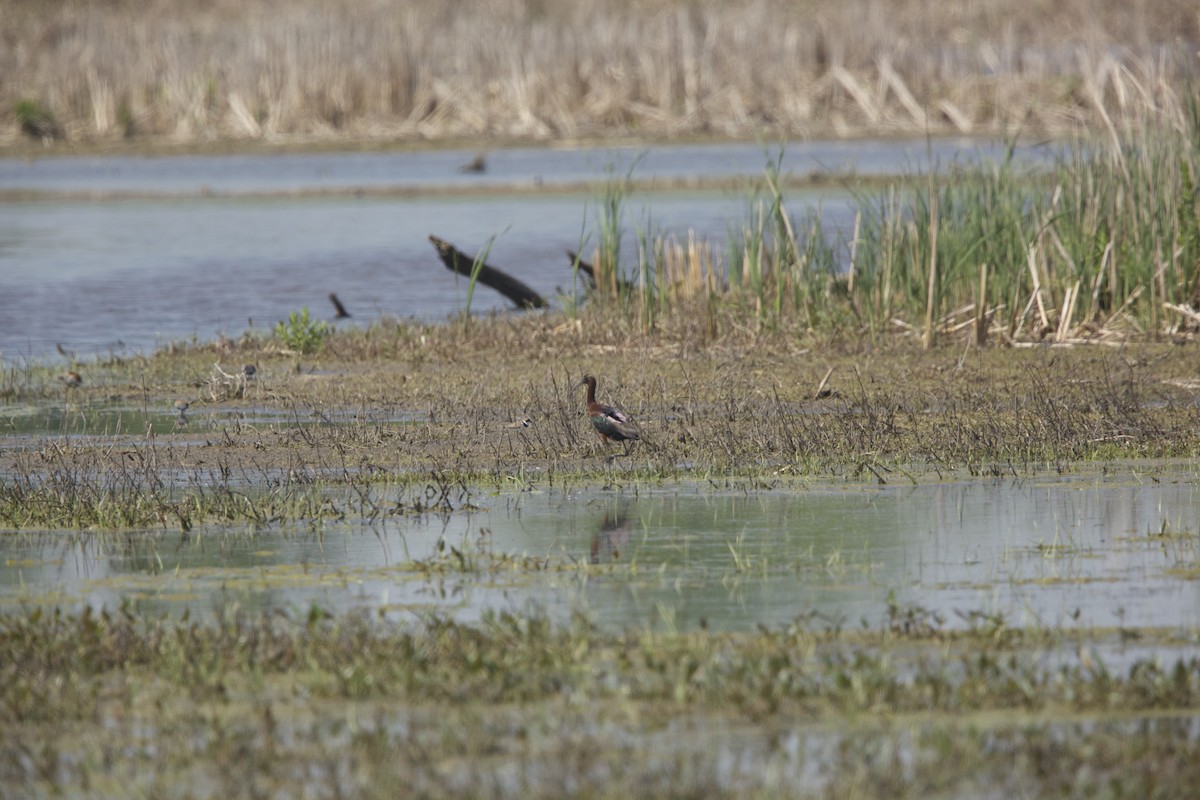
(524, 69)
(1104, 246)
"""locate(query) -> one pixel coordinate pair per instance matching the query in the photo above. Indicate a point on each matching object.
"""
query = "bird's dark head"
(586, 380)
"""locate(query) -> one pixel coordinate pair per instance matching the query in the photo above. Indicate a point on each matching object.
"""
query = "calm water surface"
(1092, 550)
(189, 247)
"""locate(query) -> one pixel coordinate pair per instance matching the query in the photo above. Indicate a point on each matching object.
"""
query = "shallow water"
(440, 169)
(1094, 550)
(71, 419)
(126, 254)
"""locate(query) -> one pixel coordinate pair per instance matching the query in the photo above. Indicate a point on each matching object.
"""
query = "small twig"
(821, 391)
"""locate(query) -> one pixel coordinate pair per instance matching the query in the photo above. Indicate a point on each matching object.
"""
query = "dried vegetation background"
(534, 70)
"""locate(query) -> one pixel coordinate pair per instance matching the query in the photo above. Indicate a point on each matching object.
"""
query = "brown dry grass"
(335, 70)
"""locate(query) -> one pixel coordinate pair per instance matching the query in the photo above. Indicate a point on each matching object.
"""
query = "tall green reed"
(611, 278)
(477, 266)
(1103, 239)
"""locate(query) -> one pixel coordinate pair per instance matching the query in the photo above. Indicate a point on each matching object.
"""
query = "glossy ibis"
(71, 379)
(608, 421)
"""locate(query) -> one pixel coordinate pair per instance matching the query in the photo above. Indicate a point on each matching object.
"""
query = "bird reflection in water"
(181, 406)
(613, 535)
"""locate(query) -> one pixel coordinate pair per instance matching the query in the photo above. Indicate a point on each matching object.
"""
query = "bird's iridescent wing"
(613, 413)
(612, 423)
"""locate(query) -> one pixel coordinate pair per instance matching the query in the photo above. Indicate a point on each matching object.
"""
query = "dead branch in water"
(516, 291)
(340, 311)
(589, 272)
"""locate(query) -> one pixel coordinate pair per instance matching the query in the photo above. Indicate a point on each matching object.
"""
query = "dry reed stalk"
(1093, 82)
(102, 105)
(1037, 288)
(1185, 311)
(931, 288)
(894, 82)
(857, 93)
(521, 68)
(1068, 312)
(959, 326)
(792, 254)
(1094, 305)
(1056, 240)
(956, 117)
(1158, 280)
(853, 252)
(1122, 312)
(689, 270)
(244, 119)
(981, 315)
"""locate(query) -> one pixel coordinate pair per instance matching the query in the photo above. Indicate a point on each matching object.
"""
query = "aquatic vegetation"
(151, 488)
(1076, 252)
(36, 121)
(301, 333)
(277, 690)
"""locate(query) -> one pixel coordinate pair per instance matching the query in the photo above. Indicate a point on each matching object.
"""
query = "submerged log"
(584, 267)
(590, 272)
(458, 261)
(339, 310)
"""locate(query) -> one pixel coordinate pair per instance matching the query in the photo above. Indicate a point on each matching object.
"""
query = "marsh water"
(1116, 549)
(120, 255)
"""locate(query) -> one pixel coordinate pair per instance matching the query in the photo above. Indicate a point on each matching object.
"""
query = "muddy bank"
(494, 398)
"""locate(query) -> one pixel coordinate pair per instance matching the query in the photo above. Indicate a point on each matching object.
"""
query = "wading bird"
(608, 421)
(71, 379)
